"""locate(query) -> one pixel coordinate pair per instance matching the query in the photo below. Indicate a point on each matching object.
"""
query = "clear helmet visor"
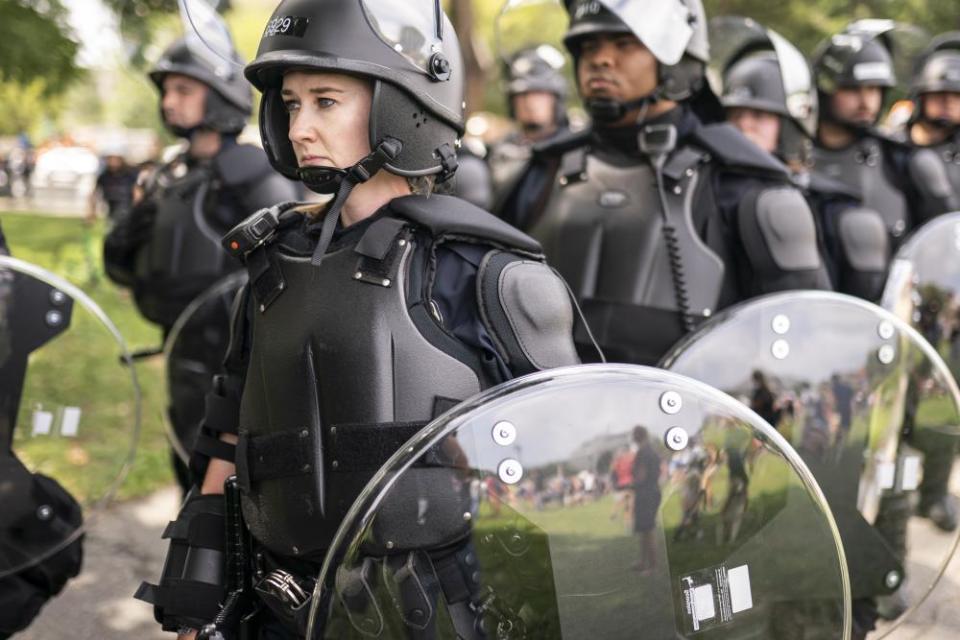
(733, 36)
(208, 36)
(413, 28)
(588, 501)
(843, 380)
(663, 26)
(69, 413)
(193, 353)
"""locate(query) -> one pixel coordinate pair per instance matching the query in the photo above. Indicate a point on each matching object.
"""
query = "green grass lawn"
(72, 250)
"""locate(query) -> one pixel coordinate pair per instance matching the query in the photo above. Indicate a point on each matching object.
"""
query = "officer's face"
(616, 66)
(329, 117)
(942, 106)
(858, 104)
(762, 128)
(184, 101)
(534, 111)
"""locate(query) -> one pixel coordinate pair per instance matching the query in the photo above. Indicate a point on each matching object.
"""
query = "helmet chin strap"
(344, 180)
(609, 111)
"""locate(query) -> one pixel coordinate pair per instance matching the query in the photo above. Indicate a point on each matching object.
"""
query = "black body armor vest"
(345, 365)
(949, 153)
(864, 167)
(183, 256)
(604, 229)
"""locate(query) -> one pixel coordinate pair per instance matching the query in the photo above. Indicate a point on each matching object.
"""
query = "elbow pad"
(191, 584)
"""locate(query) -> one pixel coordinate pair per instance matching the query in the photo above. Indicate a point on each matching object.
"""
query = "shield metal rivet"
(885, 330)
(886, 354)
(467, 516)
(892, 580)
(54, 318)
(58, 297)
(780, 349)
(510, 471)
(358, 275)
(44, 512)
(780, 324)
(671, 403)
(676, 438)
(504, 433)
(389, 544)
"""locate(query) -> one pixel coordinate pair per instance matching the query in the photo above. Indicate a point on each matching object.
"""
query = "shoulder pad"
(825, 185)
(733, 149)
(563, 142)
(242, 163)
(449, 216)
(526, 307)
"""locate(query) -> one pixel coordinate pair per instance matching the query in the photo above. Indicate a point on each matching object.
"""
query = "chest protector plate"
(339, 377)
(949, 154)
(861, 166)
(183, 256)
(603, 229)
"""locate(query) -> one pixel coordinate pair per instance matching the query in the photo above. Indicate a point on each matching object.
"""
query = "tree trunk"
(461, 14)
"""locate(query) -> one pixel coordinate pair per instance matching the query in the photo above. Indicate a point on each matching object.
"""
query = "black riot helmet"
(675, 32)
(937, 70)
(767, 73)
(538, 69)
(851, 59)
(229, 102)
(409, 51)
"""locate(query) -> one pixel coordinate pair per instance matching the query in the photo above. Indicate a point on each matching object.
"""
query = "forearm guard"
(191, 587)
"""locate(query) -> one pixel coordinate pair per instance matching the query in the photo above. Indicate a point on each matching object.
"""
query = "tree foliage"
(35, 42)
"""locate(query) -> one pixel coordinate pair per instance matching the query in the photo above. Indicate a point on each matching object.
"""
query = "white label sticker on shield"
(910, 473)
(70, 422)
(703, 608)
(741, 596)
(42, 421)
(886, 473)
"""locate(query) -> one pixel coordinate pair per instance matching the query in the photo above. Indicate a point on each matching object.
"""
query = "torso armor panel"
(183, 256)
(863, 167)
(604, 230)
(949, 153)
(346, 364)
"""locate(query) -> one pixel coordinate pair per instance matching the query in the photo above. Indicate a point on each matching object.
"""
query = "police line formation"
(377, 405)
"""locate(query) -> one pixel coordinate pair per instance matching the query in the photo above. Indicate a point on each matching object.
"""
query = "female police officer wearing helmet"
(364, 318)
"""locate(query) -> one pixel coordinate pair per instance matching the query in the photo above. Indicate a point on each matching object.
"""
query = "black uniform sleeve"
(128, 234)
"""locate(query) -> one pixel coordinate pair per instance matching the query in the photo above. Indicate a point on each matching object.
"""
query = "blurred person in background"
(114, 186)
(167, 247)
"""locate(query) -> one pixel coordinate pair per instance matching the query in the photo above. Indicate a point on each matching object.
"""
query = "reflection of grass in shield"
(70, 250)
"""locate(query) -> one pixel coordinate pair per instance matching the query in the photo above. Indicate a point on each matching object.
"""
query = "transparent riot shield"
(193, 353)
(857, 392)
(923, 289)
(69, 415)
(592, 501)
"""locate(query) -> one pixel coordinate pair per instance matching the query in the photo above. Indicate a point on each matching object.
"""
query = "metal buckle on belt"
(283, 586)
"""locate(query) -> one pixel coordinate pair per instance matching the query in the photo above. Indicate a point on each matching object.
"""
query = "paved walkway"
(124, 547)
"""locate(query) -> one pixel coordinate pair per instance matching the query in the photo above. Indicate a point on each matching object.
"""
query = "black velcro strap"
(452, 582)
(277, 455)
(678, 164)
(379, 238)
(266, 277)
(365, 447)
(221, 413)
(214, 448)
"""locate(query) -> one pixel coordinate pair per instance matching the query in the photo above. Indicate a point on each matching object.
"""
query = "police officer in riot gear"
(934, 127)
(755, 96)
(167, 248)
(364, 318)
(853, 71)
(655, 218)
(536, 99)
